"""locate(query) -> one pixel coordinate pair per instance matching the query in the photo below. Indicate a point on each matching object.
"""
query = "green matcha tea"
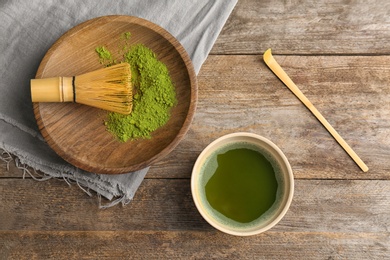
(154, 92)
(240, 183)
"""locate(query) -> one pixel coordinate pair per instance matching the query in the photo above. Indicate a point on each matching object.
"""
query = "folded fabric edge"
(113, 189)
(22, 127)
(31, 168)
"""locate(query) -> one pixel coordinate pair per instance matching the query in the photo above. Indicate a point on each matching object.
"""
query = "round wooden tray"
(77, 132)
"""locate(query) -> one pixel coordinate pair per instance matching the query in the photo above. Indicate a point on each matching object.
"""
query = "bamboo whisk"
(108, 88)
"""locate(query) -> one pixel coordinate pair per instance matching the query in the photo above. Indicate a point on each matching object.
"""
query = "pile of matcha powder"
(153, 92)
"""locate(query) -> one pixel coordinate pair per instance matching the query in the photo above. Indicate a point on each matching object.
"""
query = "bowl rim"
(230, 138)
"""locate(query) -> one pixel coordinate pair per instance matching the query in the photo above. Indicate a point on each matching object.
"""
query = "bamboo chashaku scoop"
(108, 88)
(282, 75)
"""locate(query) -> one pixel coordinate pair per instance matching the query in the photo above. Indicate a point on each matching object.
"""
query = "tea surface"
(243, 186)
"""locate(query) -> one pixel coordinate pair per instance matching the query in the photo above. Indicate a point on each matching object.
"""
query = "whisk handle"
(58, 89)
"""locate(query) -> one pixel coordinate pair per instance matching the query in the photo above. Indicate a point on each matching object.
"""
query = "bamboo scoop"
(281, 74)
(107, 88)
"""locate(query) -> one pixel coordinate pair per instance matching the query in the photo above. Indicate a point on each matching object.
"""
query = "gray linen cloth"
(29, 28)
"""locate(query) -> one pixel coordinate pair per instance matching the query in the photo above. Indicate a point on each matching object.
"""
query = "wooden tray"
(76, 132)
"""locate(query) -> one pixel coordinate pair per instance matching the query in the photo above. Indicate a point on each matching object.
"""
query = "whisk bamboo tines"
(108, 88)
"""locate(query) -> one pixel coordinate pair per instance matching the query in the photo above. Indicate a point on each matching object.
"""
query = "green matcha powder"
(154, 93)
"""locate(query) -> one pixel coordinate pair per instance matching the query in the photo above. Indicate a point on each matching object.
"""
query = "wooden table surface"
(338, 53)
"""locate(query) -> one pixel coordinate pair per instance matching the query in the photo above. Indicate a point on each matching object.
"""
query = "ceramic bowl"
(284, 177)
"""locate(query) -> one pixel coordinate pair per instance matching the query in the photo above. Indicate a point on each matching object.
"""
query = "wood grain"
(338, 54)
(77, 132)
(346, 206)
(327, 220)
(244, 95)
(191, 245)
(239, 93)
(339, 27)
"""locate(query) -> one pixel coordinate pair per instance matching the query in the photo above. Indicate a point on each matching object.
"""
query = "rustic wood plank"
(307, 27)
(191, 245)
(239, 93)
(345, 206)
(338, 54)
